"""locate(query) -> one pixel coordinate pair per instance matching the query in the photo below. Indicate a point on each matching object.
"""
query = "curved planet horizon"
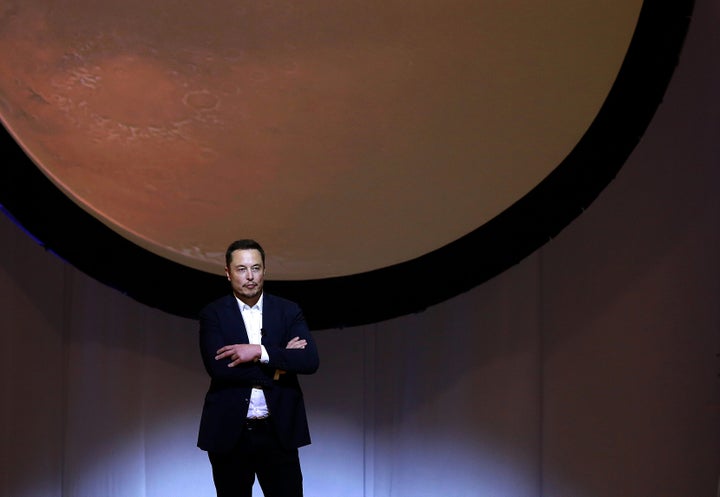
(362, 148)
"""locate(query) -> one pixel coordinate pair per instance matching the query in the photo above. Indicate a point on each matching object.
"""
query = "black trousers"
(260, 453)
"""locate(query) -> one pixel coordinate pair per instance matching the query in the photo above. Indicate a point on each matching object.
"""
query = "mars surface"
(345, 136)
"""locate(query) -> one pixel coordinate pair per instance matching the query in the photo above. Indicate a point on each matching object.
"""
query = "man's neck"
(250, 302)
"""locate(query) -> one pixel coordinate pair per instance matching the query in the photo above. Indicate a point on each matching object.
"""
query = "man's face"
(246, 273)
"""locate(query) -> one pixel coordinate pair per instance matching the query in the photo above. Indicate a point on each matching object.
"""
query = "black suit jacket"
(227, 399)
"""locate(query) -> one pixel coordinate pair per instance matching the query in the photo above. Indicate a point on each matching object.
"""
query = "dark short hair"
(245, 244)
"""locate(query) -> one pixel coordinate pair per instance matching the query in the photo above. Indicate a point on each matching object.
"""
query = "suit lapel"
(237, 322)
(270, 319)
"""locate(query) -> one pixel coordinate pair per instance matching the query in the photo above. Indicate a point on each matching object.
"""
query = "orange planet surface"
(345, 136)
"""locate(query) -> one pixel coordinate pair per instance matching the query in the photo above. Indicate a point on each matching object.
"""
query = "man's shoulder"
(279, 302)
(219, 303)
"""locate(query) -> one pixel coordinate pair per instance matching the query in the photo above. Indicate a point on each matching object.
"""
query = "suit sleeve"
(300, 361)
(215, 333)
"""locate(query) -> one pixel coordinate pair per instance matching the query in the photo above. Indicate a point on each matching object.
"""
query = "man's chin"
(250, 293)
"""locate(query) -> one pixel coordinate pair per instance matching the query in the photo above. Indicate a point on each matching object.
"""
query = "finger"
(296, 344)
(224, 354)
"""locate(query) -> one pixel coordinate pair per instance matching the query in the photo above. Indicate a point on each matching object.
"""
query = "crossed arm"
(244, 352)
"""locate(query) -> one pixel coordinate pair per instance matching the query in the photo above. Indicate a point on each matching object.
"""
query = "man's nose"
(250, 274)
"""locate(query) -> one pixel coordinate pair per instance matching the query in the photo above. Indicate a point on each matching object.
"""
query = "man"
(253, 346)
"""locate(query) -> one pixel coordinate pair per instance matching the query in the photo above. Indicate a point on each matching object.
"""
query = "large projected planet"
(347, 136)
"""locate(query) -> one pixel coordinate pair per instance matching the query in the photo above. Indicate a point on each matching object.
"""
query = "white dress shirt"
(252, 316)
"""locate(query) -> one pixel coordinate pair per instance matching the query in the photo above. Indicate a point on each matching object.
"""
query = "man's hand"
(239, 353)
(296, 343)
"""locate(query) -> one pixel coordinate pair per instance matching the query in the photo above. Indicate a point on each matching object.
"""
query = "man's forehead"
(246, 257)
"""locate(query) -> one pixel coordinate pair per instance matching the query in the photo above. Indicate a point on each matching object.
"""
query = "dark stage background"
(587, 369)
